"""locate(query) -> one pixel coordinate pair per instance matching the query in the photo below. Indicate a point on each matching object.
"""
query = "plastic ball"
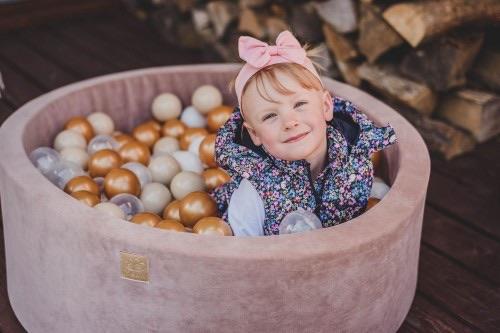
(207, 151)
(120, 180)
(379, 188)
(44, 159)
(147, 134)
(88, 198)
(155, 197)
(377, 161)
(171, 211)
(192, 118)
(101, 123)
(100, 142)
(165, 145)
(63, 172)
(372, 202)
(76, 155)
(186, 182)
(164, 168)
(205, 98)
(156, 125)
(188, 161)
(217, 117)
(195, 206)
(173, 128)
(135, 151)
(82, 183)
(111, 209)
(166, 106)
(298, 221)
(145, 218)
(69, 138)
(215, 177)
(103, 161)
(122, 139)
(212, 226)
(82, 126)
(194, 146)
(129, 204)
(188, 136)
(171, 225)
(141, 171)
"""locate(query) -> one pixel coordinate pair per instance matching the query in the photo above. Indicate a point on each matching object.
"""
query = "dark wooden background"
(459, 270)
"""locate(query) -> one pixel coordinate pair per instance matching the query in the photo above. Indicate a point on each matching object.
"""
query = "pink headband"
(258, 55)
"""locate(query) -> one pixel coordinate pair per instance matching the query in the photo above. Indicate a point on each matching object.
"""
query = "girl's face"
(294, 126)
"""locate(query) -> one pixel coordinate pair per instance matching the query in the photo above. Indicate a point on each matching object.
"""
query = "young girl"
(289, 145)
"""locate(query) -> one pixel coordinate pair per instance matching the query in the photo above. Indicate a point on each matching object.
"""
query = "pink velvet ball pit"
(63, 258)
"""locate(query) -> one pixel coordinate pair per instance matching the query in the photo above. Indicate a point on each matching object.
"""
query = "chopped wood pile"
(435, 61)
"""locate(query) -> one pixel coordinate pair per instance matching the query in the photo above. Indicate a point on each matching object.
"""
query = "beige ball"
(101, 123)
(166, 106)
(205, 98)
(164, 168)
(76, 155)
(155, 197)
(166, 145)
(69, 138)
(111, 209)
(186, 182)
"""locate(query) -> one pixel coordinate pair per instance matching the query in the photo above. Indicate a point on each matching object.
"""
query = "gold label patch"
(134, 266)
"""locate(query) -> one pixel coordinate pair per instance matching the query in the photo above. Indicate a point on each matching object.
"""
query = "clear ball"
(142, 172)
(193, 118)
(63, 172)
(44, 159)
(128, 203)
(298, 221)
(100, 142)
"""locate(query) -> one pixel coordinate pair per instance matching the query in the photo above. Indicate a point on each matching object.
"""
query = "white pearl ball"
(101, 123)
(166, 145)
(194, 147)
(69, 138)
(186, 182)
(155, 197)
(76, 155)
(111, 209)
(166, 106)
(379, 188)
(164, 168)
(205, 98)
(141, 171)
(188, 161)
(192, 118)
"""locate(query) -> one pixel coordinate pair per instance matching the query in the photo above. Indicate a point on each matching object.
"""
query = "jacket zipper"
(317, 199)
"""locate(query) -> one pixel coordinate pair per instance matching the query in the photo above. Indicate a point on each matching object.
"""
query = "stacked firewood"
(435, 61)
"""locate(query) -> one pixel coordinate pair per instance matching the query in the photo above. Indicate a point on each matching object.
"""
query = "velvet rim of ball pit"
(63, 258)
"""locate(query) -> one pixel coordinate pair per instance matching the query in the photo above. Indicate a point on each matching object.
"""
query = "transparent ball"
(100, 142)
(142, 172)
(128, 203)
(63, 172)
(44, 159)
(298, 221)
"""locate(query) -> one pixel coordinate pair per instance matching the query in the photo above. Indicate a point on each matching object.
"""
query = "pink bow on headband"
(259, 54)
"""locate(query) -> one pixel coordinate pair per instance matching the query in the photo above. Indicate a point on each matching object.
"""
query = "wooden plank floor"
(459, 272)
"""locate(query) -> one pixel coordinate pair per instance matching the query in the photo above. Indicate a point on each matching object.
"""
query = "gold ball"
(82, 126)
(212, 226)
(146, 218)
(102, 162)
(156, 125)
(120, 180)
(218, 117)
(88, 198)
(171, 211)
(195, 206)
(135, 151)
(188, 136)
(377, 161)
(171, 225)
(174, 128)
(82, 183)
(147, 134)
(372, 202)
(122, 139)
(215, 177)
(207, 151)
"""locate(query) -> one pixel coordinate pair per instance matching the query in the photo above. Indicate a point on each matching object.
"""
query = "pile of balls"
(157, 176)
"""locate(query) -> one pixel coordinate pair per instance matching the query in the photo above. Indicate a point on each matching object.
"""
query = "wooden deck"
(459, 272)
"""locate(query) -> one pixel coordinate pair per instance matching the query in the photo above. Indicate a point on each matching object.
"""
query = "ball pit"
(73, 268)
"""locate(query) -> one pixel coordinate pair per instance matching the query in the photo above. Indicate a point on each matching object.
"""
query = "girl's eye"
(299, 104)
(268, 116)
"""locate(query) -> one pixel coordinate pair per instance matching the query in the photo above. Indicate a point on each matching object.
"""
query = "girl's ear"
(327, 105)
(255, 139)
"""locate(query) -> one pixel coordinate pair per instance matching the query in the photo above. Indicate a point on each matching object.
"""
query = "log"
(2, 86)
(349, 72)
(443, 63)
(305, 23)
(340, 14)
(487, 69)
(221, 13)
(375, 35)
(249, 23)
(274, 26)
(475, 111)
(340, 45)
(391, 85)
(420, 21)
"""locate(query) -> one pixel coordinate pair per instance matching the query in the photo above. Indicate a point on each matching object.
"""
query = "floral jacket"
(338, 194)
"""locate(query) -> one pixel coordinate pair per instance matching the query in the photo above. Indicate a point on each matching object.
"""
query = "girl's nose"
(290, 122)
